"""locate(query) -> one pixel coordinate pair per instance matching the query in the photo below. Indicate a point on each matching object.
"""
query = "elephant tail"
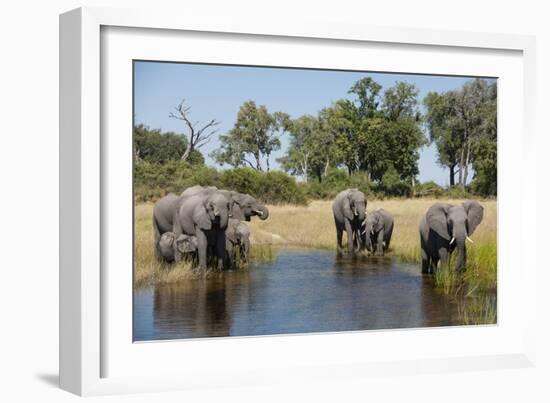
(157, 235)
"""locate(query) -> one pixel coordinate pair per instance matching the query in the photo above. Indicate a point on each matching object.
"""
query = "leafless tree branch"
(196, 137)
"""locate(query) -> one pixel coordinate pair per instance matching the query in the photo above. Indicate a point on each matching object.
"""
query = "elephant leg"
(433, 264)
(339, 234)
(443, 256)
(220, 249)
(349, 233)
(358, 237)
(425, 262)
(380, 243)
(202, 248)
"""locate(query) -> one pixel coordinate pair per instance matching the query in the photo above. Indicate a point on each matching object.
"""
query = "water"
(302, 291)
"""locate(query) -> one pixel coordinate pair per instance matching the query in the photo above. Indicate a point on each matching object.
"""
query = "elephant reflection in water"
(200, 308)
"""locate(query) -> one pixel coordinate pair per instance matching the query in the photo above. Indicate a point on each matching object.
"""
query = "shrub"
(154, 180)
(392, 185)
(244, 180)
(334, 182)
(278, 187)
(428, 189)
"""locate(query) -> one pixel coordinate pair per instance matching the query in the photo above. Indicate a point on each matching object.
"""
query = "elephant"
(197, 189)
(349, 209)
(237, 237)
(377, 231)
(163, 214)
(447, 227)
(186, 244)
(243, 206)
(202, 215)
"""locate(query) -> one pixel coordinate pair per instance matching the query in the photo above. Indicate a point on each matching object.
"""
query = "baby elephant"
(377, 230)
(185, 244)
(237, 237)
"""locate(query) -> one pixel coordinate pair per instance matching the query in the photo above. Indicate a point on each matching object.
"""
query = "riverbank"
(312, 226)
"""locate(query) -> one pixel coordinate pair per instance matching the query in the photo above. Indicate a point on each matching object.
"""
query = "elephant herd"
(205, 223)
(209, 223)
(443, 229)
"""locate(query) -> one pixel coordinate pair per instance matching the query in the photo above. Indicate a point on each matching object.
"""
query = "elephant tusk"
(259, 212)
(372, 232)
(355, 213)
(468, 239)
(452, 240)
(216, 213)
(363, 232)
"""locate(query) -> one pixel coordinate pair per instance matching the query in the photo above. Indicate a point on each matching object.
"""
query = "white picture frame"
(88, 316)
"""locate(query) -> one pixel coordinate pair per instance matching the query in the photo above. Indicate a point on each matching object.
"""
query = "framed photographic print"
(236, 202)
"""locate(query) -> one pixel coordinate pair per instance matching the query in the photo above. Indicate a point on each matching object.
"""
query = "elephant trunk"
(262, 212)
(461, 258)
(223, 217)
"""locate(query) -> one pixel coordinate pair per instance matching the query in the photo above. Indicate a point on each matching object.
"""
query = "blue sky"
(217, 92)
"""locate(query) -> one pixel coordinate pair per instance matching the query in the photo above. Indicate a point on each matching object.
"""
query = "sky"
(217, 92)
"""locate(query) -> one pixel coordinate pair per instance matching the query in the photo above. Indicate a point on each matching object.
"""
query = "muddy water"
(302, 291)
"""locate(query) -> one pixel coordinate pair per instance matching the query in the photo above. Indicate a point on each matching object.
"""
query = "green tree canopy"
(312, 149)
(253, 138)
(459, 122)
(371, 135)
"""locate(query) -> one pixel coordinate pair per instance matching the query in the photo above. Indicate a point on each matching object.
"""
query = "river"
(301, 291)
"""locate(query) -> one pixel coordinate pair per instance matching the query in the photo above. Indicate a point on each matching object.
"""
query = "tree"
(371, 136)
(311, 150)
(444, 131)
(367, 99)
(458, 120)
(400, 102)
(340, 122)
(197, 136)
(253, 139)
(154, 146)
(484, 160)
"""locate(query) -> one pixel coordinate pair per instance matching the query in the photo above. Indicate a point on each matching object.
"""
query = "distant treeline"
(371, 142)
(152, 180)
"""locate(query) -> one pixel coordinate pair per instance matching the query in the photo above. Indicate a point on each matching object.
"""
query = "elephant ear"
(201, 217)
(436, 217)
(378, 222)
(238, 198)
(346, 206)
(474, 211)
(231, 233)
(167, 237)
